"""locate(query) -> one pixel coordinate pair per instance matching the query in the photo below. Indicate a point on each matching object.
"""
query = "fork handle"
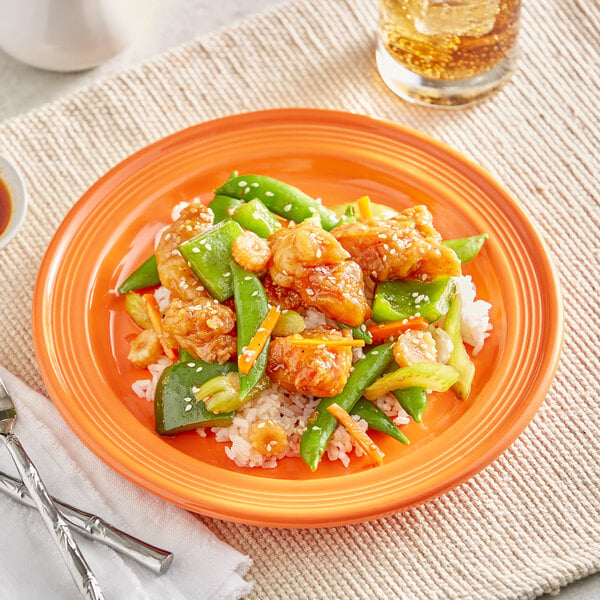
(80, 571)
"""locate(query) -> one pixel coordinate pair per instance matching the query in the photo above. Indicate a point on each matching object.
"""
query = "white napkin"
(204, 568)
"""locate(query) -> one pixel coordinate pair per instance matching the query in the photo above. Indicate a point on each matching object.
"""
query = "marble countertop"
(169, 24)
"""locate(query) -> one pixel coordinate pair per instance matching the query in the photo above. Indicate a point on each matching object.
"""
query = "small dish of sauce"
(13, 200)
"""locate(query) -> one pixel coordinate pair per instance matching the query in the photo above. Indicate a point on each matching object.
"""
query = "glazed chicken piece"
(318, 370)
(204, 328)
(404, 246)
(308, 260)
(173, 271)
(280, 296)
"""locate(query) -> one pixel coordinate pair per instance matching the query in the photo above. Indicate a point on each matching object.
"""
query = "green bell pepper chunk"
(223, 207)
(322, 424)
(402, 299)
(283, 199)
(175, 407)
(255, 216)
(146, 275)
(251, 307)
(413, 400)
(377, 419)
(467, 248)
(209, 255)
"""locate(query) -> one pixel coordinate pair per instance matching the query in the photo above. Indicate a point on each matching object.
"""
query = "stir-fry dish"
(285, 328)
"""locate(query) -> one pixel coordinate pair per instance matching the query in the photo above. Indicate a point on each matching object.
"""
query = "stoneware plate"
(81, 329)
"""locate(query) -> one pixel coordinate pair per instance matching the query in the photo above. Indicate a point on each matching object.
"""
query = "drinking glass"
(447, 53)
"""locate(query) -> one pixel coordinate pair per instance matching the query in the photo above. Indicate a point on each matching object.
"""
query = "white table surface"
(171, 23)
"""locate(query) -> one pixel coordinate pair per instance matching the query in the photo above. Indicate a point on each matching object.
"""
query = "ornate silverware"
(95, 528)
(54, 521)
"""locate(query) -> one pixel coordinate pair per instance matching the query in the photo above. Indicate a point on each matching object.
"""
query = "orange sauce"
(5, 206)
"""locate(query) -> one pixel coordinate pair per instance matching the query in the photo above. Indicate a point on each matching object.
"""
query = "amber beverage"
(447, 52)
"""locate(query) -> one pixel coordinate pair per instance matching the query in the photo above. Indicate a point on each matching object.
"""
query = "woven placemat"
(529, 522)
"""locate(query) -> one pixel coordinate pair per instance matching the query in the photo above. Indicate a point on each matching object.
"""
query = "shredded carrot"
(393, 328)
(300, 341)
(151, 307)
(256, 344)
(364, 208)
(371, 449)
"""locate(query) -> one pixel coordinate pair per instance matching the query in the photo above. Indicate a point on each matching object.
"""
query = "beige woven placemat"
(528, 523)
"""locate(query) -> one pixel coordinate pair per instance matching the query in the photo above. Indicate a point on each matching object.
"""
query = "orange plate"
(81, 330)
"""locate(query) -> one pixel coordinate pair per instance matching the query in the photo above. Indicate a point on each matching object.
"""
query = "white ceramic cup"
(15, 185)
(68, 35)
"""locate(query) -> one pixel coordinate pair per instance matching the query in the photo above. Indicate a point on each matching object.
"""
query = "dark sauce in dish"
(5, 206)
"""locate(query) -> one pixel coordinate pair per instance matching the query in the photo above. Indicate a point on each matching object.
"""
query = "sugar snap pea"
(413, 400)
(255, 216)
(377, 419)
(208, 255)
(251, 307)
(146, 275)
(279, 197)
(359, 333)
(223, 207)
(321, 424)
(467, 248)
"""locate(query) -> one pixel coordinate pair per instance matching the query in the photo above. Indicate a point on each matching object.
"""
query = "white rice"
(291, 411)
(475, 318)
(145, 388)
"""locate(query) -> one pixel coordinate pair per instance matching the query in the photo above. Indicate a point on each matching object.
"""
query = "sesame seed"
(188, 407)
(198, 369)
(269, 194)
(310, 292)
(260, 425)
(287, 208)
(247, 278)
(208, 247)
(195, 249)
(227, 274)
(187, 399)
(254, 185)
(246, 190)
(319, 253)
(191, 364)
(242, 183)
(375, 352)
(254, 293)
